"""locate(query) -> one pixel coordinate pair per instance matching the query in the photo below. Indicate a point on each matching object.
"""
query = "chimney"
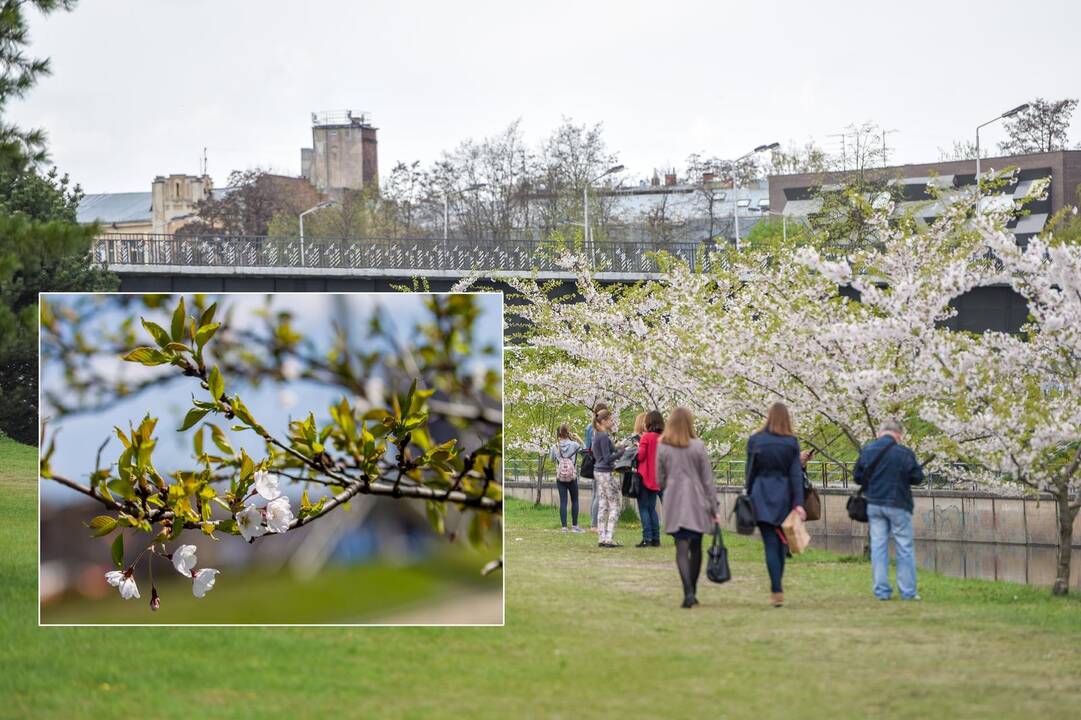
(655, 181)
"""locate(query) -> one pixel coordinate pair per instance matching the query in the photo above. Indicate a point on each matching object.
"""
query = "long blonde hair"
(778, 421)
(679, 430)
(640, 424)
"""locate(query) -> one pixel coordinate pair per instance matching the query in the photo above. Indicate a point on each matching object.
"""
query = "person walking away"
(685, 475)
(564, 453)
(774, 482)
(647, 468)
(605, 483)
(594, 506)
(887, 470)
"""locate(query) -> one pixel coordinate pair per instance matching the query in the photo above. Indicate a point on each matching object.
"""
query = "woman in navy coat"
(774, 479)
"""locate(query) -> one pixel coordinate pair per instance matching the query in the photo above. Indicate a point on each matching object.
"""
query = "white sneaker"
(577, 529)
(564, 529)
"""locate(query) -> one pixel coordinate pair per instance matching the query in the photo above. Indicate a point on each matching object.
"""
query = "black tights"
(689, 562)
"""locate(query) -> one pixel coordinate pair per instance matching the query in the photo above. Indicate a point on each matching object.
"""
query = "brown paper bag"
(796, 533)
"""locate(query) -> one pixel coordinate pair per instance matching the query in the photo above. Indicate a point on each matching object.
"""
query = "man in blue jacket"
(887, 470)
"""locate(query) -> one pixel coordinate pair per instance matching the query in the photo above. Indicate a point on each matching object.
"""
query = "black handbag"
(587, 464)
(857, 504)
(717, 569)
(632, 481)
(744, 512)
(812, 503)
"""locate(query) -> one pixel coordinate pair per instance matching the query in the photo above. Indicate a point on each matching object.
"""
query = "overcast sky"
(141, 86)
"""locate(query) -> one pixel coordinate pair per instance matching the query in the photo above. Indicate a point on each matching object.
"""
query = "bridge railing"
(411, 255)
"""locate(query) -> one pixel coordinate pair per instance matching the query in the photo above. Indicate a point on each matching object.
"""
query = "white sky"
(141, 86)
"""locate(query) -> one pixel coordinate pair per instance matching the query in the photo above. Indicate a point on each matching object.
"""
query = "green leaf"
(197, 442)
(102, 525)
(247, 466)
(219, 438)
(194, 415)
(435, 516)
(208, 315)
(178, 527)
(206, 332)
(122, 487)
(118, 551)
(157, 332)
(178, 322)
(215, 384)
(147, 356)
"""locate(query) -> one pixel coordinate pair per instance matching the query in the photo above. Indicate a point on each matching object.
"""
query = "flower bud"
(155, 601)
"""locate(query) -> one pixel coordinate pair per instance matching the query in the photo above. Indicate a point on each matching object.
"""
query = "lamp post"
(320, 206)
(446, 204)
(1008, 113)
(735, 182)
(585, 200)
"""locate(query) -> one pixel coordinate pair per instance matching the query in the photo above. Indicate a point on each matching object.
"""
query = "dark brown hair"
(564, 432)
(599, 418)
(680, 428)
(778, 421)
(654, 422)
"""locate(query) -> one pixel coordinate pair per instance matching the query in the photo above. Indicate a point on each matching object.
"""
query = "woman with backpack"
(647, 468)
(685, 475)
(605, 484)
(564, 453)
(774, 480)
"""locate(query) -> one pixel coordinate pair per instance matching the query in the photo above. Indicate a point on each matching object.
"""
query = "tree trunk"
(1065, 540)
(540, 481)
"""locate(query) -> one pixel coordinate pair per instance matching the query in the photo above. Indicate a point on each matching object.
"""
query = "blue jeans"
(647, 510)
(886, 521)
(775, 554)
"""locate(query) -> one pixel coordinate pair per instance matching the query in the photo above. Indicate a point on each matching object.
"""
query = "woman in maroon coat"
(647, 467)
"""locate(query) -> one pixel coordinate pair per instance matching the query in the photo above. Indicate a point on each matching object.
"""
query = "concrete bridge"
(229, 263)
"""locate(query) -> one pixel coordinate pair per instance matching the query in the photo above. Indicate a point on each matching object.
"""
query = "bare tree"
(252, 200)
(962, 150)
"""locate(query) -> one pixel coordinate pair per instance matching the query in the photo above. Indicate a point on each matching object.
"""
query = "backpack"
(565, 471)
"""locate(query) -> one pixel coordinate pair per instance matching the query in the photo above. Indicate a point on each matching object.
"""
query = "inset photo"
(283, 459)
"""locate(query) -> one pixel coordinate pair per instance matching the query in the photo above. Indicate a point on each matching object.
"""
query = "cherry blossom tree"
(847, 337)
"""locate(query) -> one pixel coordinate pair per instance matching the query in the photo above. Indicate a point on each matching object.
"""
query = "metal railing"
(410, 255)
(729, 473)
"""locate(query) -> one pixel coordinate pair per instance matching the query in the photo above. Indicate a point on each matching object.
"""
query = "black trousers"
(566, 489)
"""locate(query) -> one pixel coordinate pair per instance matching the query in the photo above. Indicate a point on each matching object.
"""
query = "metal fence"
(410, 255)
(822, 474)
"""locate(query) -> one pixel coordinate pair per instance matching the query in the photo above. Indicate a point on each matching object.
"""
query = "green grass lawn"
(590, 633)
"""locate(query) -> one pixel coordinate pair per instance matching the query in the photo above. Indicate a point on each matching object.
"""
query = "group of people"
(675, 469)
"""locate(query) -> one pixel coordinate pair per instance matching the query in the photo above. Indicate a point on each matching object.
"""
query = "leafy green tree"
(41, 245)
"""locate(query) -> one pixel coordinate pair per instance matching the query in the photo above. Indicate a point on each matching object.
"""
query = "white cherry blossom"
(266, 484)
(250, 523)
(279, 515)
(124, 582)
(203, 581)
(184, 559)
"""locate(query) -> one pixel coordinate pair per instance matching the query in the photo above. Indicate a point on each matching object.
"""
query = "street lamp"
(446, 204)
(320, 206)
(1008, 113)
(735, 182)
(585, 199)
